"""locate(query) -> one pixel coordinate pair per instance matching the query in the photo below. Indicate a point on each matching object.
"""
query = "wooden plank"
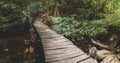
(53, 44)
(73, 59)
(57, 43)
(87, 60)
(56, 47)
(60, 39)
(61, 51)
(53, 58)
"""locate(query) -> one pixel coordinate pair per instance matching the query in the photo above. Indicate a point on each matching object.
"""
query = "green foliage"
(113, 19)
(35, 8)
(77, 30)
(89, 18)
(112, 22)
(15, 16)
(88, 9)
(9, 13)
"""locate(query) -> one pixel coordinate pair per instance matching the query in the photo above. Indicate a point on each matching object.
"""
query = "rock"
(110, 59)
(102, 53)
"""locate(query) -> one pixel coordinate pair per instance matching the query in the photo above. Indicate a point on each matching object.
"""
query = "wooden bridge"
(58, 49)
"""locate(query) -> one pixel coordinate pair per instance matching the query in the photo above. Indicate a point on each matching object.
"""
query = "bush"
(11, 16)
(77, 30)
(14, 19)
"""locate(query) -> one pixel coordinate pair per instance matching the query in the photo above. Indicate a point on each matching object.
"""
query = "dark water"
(16, 51)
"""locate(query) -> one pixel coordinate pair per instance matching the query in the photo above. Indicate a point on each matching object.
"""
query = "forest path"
(59, 49)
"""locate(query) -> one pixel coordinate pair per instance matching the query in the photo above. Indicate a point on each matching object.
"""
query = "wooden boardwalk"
(58, 49)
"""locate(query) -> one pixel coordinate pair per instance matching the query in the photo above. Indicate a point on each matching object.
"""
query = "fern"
(70, 27)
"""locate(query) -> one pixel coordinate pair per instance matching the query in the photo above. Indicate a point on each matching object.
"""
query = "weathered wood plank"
(73, 59)
(87, 60)
(56, 47)
(61, 51)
